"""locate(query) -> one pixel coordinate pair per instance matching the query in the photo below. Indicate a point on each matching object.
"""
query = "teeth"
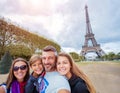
(38, 70)
(63, 69)
(20, 74)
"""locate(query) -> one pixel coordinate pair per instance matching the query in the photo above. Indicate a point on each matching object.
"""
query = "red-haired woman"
(78, 81)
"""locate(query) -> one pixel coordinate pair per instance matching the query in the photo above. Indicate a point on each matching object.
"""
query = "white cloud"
(69, 49)
(64, 20)
(111, 47)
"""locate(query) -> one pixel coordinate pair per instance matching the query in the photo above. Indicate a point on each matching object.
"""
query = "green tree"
(5, 63)
(15, 35)
(117, 56)
(75, 56)
(111, 56)
(20, 51)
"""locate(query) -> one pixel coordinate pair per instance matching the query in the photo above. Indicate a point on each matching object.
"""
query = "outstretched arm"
(63, 91)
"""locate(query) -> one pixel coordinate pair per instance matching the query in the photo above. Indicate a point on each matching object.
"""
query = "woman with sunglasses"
(17, 77)
(78, 81)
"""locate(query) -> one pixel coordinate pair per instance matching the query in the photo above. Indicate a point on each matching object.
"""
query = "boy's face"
(37, 67)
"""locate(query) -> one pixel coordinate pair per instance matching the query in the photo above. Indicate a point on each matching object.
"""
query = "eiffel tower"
(94, 47)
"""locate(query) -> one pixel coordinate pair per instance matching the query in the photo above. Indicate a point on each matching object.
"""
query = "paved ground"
(105, 76)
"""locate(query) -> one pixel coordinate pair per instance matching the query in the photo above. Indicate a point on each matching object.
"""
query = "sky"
(64, 22)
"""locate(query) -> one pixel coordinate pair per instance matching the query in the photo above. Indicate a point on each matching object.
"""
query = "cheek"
(68, 66)
(14, 73)
(32, 67)
(58, 66)
(24, 72)
(41, 67)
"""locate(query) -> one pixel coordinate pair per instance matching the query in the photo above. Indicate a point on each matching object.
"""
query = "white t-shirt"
(52, 83)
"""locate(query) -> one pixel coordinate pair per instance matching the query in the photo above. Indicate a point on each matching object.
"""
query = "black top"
(30, 86)
(77, 85)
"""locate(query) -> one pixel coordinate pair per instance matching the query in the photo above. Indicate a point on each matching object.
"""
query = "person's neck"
(68, 75)
(51, 70)
(20, 80)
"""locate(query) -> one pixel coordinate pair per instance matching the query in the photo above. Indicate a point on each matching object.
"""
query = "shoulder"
(59, 81)
(32, 78)
(62, 83)
(78, 85)
(60, 77)
(56, 77)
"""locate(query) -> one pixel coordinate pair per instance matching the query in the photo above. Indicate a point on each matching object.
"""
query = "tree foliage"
(75, 56)
(17, 40)
(111, 56)
(5, 63)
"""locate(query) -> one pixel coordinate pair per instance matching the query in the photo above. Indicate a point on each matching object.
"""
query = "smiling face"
(21, 70)
(48, 59)
(63, 66)
(37, 67)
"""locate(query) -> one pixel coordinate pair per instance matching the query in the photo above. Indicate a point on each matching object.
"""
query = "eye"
(65, 62)
(39, 63)
(43, 58)
(50, 58)
(34, 65)
(58, 63)
(23, 67)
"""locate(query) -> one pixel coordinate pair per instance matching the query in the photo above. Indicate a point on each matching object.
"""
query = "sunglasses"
(16, 68)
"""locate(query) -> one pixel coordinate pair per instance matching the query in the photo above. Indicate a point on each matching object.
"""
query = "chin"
(62, 74)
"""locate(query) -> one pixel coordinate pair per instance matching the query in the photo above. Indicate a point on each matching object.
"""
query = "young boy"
(36, 65)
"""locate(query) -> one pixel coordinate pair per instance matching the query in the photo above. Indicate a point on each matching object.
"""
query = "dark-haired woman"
(17, 77)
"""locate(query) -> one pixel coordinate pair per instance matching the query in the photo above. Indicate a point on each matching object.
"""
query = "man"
(52, 82)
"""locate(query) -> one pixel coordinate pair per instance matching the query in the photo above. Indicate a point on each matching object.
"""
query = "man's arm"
(63, 91)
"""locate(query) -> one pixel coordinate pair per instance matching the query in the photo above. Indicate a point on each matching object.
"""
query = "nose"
(19, 70)
(37, 66)
(46, 61)
(61, 65)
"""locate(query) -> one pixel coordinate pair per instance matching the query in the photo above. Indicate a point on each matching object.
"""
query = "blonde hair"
(34, 58)
(11, 76)
(75, 70)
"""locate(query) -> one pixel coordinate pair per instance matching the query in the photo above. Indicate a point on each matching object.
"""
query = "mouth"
(47, 65)
(38, 71)
(20, 74)
(62, 69)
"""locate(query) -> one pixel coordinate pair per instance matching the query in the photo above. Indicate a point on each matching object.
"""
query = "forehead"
(48, 53)
(19, 63)
(62, 58)
(37, 62)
